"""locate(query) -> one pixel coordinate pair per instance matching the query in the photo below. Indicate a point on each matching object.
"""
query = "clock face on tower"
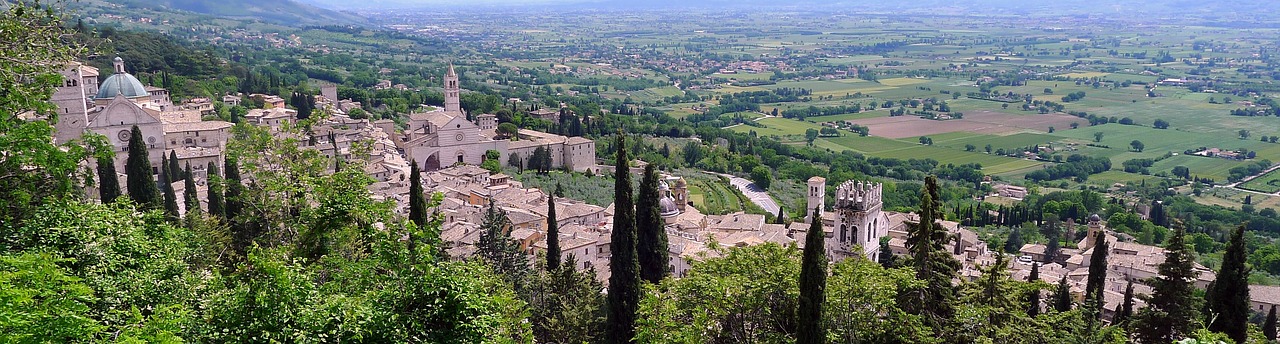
(459, 137)
(123, 135)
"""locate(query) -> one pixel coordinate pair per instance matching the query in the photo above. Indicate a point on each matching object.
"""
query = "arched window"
(843, 229)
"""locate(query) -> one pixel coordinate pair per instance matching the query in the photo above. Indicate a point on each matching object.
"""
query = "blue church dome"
(121, 83)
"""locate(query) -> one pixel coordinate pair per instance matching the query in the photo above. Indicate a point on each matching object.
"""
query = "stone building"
(114, 106)
(444, 137)
(860, 223)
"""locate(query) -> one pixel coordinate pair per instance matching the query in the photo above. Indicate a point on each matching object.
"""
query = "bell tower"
(681, 194)
(452, 101)
(817, 197)
(1095, 230)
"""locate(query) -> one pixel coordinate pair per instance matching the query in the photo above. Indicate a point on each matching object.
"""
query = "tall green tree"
(997, 294)
(175, 171)
(813, 284)
(1054, 236)
(624, 278)
(165, 173)
(885, 257)
(417, 197)
(1062, 296)
(142, 188)
(651, 241)
(499, 250)
(566, 305)
(108, 183)
(1228, 296)
(1033, 296)
(1269, 326)
(1173, 308)
(935, 266)
(170, 198)
(1014, 242)
(232, 189)
(1095, 284)
(553, 235)
(1126, 309)
(214, 185)
(190, 198)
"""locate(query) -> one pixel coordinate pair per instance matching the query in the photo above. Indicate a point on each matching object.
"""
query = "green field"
(712, 195)
(1268, 183)
(890, 148)
(780, 127)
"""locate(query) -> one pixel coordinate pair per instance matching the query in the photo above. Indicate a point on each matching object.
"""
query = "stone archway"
(432, 163)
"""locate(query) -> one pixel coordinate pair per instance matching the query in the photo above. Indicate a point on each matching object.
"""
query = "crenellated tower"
(860, 222)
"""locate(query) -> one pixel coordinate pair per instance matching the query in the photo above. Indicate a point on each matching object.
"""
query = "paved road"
(1247, 179)
(752, 191)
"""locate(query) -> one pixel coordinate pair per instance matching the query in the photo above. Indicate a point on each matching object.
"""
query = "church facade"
(444, 137)
(113, 107)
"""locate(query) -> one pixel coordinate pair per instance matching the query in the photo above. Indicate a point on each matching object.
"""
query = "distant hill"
(285, 12)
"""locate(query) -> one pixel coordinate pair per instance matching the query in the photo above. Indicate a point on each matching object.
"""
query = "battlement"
(858, 196)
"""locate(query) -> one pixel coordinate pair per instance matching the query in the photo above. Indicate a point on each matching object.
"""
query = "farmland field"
(1268, 183)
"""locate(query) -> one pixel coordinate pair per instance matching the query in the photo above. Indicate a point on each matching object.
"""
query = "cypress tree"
(108, 183)
(164, 169)
(1054, 246)
(1174, 309)
(231, 189)
(651, 242)
(935, 266)
(1062, 296)
(1033, 297)
(214, 185)
(624, 278)
(813, 284)
(175, 171)
(1126, 309)
(886, 257)
(778, 219)
(190, 199)
(553, 235)
(170, 198)
(142, 187)
(1269, 327)
(417, 199)
(1096, 282)
(1228, 298)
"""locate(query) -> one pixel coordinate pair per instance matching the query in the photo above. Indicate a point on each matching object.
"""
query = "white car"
(1024, 259)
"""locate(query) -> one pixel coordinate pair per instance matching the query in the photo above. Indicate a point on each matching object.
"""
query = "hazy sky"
(1041, 7)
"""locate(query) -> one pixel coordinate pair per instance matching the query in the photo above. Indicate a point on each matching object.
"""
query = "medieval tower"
(72, 98)
(1095, 230)
(859, 221)
(452, 103)
(817, 197)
